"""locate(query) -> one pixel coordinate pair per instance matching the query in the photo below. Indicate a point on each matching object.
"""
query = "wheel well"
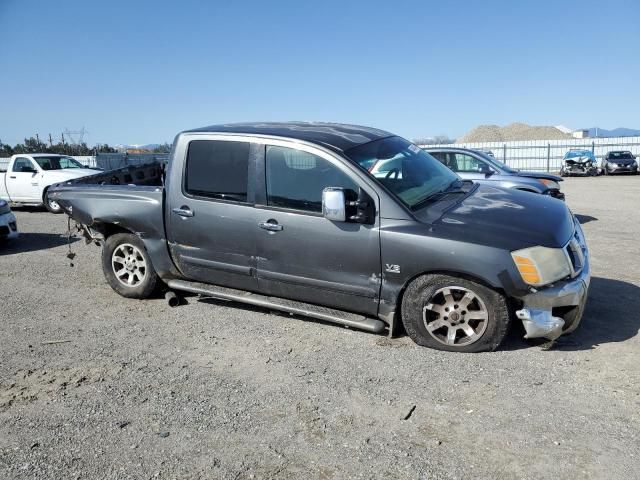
(44, 194)
(109, 229)
(441, 272)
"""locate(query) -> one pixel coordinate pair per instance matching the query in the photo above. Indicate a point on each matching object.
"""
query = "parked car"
(29, 176)
(8, 223)
(579, 162)
(481, 167)
(619, 162)
(288, 216)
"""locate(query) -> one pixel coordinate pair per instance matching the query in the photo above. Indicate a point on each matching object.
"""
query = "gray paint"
(501, 177)
(351, 266)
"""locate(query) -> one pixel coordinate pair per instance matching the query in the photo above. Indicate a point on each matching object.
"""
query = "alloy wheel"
(455, 316)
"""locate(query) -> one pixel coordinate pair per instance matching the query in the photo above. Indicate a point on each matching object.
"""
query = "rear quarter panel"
(137, 209)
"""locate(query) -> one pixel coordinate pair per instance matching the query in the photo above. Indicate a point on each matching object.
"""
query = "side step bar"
(299, 308)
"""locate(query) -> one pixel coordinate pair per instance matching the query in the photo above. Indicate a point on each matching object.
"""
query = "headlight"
(541, 265)
(549, 183)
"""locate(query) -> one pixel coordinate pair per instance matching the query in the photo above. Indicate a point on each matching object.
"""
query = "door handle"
(271, 225)
(12, 176)
(183, 211)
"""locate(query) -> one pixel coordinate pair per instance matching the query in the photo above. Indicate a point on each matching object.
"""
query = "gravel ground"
(217, 390)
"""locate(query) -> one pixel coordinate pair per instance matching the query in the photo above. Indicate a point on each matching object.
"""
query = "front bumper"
(558, 308)
(8, 226)
(615, 168)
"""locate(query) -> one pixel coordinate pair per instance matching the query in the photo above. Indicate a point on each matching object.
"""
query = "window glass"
(295, 179)
(217, 169)
(447, 159)
(405, 169)
(21, 163)
(467, 163)
(620, 156)
(57, 163)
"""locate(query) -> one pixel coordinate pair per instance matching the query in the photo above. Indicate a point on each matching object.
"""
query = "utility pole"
(37, 138)
(50, 141)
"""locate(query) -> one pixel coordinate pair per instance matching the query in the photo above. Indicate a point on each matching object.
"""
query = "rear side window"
(295, 179)
(217, 169)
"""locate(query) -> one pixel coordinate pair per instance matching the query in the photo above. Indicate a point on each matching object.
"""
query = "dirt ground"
(93, 385)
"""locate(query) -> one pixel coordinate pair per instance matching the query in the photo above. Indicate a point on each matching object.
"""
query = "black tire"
(144, 280)
(425, 290)
(50, 205)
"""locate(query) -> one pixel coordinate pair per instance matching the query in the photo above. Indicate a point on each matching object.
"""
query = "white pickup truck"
(28, 177)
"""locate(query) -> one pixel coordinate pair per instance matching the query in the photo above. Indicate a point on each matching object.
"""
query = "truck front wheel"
(454, 314)
(127, 266)
(51, 205)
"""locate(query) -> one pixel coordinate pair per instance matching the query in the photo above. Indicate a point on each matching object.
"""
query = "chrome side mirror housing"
(334, 204)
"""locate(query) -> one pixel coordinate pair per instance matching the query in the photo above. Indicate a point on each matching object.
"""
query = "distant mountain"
(616, 132)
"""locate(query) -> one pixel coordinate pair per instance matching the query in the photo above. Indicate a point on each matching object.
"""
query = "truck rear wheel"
(454, 314)
(127, 266)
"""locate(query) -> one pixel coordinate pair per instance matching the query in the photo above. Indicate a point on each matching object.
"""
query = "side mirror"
(334, 204)
(485, 169)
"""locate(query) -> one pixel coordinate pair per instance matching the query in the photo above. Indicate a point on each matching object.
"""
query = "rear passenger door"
(301, 254)
(212, 221)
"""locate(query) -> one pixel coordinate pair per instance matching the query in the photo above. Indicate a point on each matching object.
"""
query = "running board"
(299, 308)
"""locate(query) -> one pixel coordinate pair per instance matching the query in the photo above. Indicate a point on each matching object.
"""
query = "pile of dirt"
(515, 131)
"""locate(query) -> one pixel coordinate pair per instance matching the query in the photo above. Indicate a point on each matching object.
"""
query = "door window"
(295, 179)
(217, 169)
(22, 164)
(467, 164)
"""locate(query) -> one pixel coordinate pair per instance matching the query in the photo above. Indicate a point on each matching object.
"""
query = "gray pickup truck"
(295, 217)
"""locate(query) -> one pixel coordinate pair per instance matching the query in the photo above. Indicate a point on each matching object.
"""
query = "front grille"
(576, 253)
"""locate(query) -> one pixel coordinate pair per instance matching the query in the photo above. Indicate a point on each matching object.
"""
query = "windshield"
(405, 169)
(57, 163)
(495, 162)
(621, 156)
(578, 153)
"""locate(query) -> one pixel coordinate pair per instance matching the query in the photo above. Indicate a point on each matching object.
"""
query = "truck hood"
(69, 174)
(501, 218)
(546, 176)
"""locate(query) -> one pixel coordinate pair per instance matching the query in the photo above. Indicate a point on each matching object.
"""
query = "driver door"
(301, 254)
(23, 182)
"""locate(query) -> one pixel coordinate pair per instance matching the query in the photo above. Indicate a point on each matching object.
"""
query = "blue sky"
(138, 72)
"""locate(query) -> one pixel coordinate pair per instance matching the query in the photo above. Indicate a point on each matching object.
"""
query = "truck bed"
(149, 174)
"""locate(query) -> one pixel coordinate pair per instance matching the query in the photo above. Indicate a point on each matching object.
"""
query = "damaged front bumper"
(557, 309)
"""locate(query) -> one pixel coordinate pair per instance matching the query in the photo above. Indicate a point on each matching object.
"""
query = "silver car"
(482, 168)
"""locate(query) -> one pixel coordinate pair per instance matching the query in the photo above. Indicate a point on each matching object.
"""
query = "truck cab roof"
(335, 136)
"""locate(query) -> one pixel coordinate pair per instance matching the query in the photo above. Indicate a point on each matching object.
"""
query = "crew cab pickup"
(288, 216)
(29, 176)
